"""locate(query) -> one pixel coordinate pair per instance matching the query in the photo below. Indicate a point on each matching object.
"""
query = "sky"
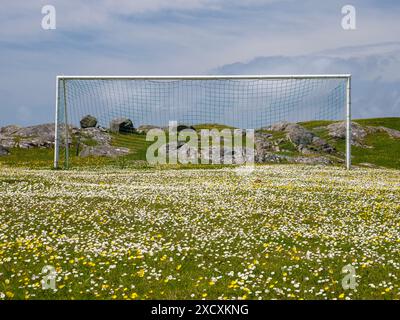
(181, 37)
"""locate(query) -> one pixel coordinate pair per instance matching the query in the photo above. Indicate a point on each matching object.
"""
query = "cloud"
(375, 72)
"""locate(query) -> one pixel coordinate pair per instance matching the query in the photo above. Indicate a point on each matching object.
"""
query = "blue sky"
(141, 37)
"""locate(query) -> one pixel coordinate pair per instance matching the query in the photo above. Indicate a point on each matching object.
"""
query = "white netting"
(240, 103)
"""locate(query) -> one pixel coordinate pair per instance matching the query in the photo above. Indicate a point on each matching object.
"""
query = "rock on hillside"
(304, 140)
(298, 135)
(40, 136)
(3, 151)
(98, 135)
(395, 134)
(122, 125)
(88, 122)
(102, 147)
(337, 130)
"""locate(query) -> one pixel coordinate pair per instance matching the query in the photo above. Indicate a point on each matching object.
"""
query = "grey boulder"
(9, 130)
(122, 125)
(337, 130)
(88, 121)
(298, 135)
(99, 135)
(395, 134)
(3, 151)
(29, 137)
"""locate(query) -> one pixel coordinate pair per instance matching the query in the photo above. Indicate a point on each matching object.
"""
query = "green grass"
(310, 125)
(385, 151)
(393, 123)
(210, 126)
(382, 150)
(29, 158)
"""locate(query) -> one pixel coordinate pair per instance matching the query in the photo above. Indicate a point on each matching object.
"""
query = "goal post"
(240, 101)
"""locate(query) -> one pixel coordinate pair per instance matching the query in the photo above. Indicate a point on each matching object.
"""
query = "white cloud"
(376, 75)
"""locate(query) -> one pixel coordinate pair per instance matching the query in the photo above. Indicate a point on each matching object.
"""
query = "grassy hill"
(379, 148)
(382, 151)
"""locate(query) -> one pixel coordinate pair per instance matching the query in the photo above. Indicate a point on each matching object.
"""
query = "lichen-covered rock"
(305, 141)
(99, 135)
(392, 132)
(337, 130)
(44, 131)
(88, 121)
(7, 141)
(9, 130)
(122, 125)
(298, 135)
(395, 134)
(322, 145)
(39, 136)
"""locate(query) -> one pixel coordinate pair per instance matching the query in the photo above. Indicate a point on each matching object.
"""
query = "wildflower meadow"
(278, 232)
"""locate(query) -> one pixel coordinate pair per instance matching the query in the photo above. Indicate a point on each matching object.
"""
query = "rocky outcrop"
(88, 122)
(322, 145)
(98, 135)
(212, 155)
(337, 130)
(264, 146)
(122, 125)
(395, 134)
(298, 135)
(102, 140)
(304, 140)
(40, 136)
(9, 130)
(93, 141)
(43, 131)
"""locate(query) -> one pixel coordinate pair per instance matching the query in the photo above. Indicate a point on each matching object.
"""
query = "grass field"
(281, 232)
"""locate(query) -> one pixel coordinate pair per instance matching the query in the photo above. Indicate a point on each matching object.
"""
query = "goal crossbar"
(207, 77)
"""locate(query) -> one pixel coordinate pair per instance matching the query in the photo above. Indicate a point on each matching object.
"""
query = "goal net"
(123, 105)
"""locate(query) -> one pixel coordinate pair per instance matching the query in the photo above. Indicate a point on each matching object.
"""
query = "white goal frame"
(347, 106)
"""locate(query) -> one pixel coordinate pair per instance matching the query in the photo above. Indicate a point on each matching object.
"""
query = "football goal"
(106, 110)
